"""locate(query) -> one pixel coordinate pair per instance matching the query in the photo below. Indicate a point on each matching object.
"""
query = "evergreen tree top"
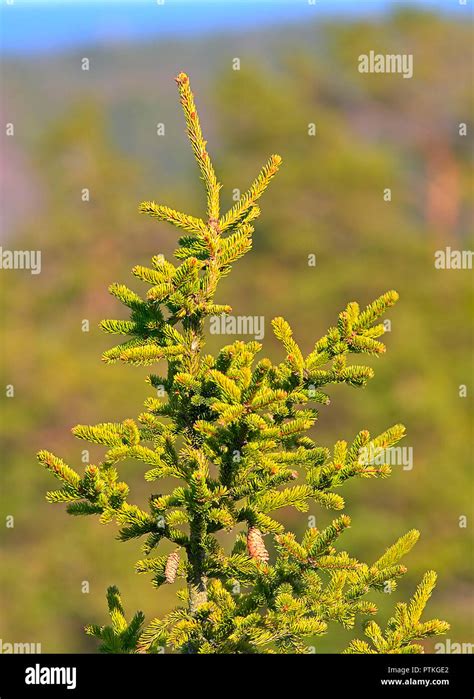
(232, 431)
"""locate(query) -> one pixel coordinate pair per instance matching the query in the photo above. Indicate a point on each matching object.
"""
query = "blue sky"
(37, 26)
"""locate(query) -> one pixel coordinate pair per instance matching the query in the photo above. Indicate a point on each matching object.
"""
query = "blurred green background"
(97, 129)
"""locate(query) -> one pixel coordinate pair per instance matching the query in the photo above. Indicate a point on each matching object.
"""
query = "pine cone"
(255, 545)
(171, 568)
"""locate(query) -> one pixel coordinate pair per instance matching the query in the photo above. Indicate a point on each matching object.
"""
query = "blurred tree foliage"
(371, 132)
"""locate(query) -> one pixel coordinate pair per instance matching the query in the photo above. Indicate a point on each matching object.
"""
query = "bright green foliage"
(404, 627)
(232, 431)
(120, 637)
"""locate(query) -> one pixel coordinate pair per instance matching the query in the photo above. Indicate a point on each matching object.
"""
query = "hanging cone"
(171, 568)
(255, 545)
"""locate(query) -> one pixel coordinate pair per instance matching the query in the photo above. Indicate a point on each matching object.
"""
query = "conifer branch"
(404, 627)
(183, 221)
(198, 144)
(239, 213)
